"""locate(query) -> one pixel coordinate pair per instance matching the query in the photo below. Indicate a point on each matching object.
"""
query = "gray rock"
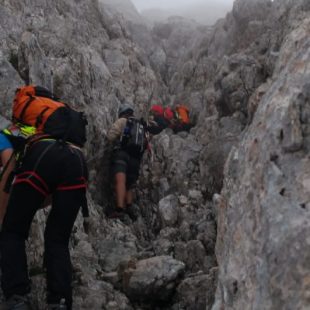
(169, 210)
(126, 8)
(9, 82)
(115, 252)
(163, 247)
(153, 279)
(245, 80)
(262, 217)
(192, 292)
(191, 253)
(3, 123)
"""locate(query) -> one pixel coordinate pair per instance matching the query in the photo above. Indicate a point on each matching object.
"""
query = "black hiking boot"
(60, 306)
(132, 212)
(16, 302)
(117, 213)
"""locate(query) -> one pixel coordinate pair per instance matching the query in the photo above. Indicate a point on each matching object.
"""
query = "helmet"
(168, 113)
(157, 109)
(125, 108)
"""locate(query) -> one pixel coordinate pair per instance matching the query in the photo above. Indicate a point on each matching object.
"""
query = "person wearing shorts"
(124, 167)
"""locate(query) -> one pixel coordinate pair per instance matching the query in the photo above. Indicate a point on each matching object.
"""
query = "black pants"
(48, 168)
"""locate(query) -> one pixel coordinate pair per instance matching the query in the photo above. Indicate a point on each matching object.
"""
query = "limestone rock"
(246, 82)
(168, 209)
(264, 220)
(154, 278)
(192, 292)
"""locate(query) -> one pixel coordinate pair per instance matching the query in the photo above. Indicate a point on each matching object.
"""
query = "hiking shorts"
(123, 162)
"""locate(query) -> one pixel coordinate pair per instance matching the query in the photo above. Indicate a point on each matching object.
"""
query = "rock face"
(264, 217)
(122, 7)
(223, 210)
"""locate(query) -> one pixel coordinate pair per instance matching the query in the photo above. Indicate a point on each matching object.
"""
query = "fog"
(176, 4)
(203, 11)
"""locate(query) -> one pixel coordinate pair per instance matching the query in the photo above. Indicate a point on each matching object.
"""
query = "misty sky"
(171, 4)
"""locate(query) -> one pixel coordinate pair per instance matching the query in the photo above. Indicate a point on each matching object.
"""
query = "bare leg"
(129, 197)
(4, 197)
(120, 189)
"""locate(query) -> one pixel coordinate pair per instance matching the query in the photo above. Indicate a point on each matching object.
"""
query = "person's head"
(156, 110)
(125, 110)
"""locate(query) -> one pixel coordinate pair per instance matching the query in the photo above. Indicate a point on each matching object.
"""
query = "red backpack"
(168, 114)
(157, 110)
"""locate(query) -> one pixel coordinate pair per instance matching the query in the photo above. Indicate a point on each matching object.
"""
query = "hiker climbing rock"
(161, 118)
(156, 120)
(53, 165)
(12, 143)
(8, 163)
(129, 139)
(181, 120)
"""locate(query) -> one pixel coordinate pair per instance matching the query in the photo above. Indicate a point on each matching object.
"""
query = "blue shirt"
(4, 143)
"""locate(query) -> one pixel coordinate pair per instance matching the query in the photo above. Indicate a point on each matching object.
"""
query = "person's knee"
(120, 176)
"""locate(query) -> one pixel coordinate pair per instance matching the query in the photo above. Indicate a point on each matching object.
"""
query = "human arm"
(115, 132)
(8, 163)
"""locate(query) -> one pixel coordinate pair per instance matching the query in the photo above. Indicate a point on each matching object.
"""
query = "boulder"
(153, 279)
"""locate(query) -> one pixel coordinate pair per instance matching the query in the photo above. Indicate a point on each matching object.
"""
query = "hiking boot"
(132, 212)
(60, 306)
(56, 307)
(16, 302)
(118, 213)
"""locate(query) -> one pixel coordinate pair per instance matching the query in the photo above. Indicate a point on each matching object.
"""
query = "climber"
(52, 166)
(181, 120)
(8, 164)
(12, 142)
(129, 139)
(159, 119)
(168, 115)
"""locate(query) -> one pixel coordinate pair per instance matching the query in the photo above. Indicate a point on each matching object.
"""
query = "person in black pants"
(53, 168)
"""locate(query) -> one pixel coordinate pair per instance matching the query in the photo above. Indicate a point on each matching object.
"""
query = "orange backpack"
(31, 108)
(182, 114)
(37, 107)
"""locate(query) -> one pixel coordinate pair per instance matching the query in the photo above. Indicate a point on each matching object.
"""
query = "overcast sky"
(170, 4)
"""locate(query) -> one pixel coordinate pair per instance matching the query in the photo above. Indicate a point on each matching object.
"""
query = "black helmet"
(125, 108)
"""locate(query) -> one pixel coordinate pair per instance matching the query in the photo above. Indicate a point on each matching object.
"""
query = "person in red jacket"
(159, 119)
